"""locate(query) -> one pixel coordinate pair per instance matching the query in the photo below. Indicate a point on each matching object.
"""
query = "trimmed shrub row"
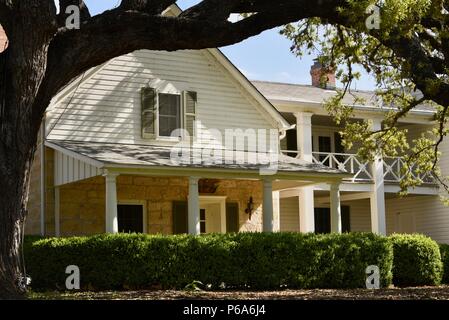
(243, 260)
(417, 260)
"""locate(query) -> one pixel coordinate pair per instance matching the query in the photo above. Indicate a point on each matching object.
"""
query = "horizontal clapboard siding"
(359, 215)
(69, 169)
(289, 214)
(106, 107)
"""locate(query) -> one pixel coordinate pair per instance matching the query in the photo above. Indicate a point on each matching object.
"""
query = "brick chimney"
(322, 77)
(3, 40)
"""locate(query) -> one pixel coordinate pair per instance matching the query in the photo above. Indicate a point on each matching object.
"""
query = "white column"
(57, 212)
(111, 203)
(305, 196)
(377, 196)
(276, 211)
(194, 207)
(306, 210)
(304, 135)
(335, 208)
(267, 205)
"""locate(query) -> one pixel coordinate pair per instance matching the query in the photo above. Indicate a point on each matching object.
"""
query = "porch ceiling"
(127, 158)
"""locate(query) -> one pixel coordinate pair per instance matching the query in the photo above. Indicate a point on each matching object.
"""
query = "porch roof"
(108, 156)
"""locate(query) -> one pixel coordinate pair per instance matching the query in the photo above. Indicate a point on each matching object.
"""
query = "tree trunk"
(17, 140)
(22, 70)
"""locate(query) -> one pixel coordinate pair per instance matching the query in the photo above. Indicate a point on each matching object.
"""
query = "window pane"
(130, 218)
(203, 214)
(203, 227)
(169, 113)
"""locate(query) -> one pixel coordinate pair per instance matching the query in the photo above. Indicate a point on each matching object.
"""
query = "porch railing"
(361, 170)
(344, 161)
(393, 171)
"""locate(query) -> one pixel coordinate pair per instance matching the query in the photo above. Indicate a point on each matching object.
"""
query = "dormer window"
(163, 113)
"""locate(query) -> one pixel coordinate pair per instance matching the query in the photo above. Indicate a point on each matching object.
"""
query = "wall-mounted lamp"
(250, 207)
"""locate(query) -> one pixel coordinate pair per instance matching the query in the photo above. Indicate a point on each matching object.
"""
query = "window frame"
(183, 114)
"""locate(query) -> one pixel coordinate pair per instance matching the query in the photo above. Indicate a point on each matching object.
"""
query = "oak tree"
(43, 56)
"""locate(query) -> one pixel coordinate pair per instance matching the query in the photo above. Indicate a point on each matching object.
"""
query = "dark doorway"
(323, 220)
(130, 218)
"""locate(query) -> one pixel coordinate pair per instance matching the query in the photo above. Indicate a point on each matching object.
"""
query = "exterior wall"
(429, 215)
(359, 215)
(83, 203)
(106, 107)
(289, 216)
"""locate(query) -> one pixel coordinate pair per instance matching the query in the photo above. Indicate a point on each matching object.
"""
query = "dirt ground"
(421, 293)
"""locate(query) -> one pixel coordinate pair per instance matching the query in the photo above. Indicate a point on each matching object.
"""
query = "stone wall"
(83, 203)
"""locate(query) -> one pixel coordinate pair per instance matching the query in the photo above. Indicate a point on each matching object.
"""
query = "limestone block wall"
(83, 203)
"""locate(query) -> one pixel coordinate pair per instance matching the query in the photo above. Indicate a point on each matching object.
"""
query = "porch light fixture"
(250, 207)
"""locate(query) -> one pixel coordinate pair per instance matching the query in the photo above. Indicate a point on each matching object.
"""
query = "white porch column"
(377, 196)
(111, 203)
(267, 205)
(194, 207)
(305, 196)
(57, 213)
(335, 208)
(306, 210)
(276, 211)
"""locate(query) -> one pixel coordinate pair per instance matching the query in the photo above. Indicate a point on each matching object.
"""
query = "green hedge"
(417, 260)
(243, 260)
(444, 251)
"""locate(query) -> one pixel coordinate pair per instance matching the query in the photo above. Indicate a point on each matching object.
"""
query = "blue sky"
(263, 57)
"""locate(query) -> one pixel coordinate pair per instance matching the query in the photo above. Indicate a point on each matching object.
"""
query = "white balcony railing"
(344, 161)
(393, 171)
(361, 170)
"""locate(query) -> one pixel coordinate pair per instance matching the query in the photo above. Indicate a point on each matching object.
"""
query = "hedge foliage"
(243, 260)
(444, 251)
(417, 260)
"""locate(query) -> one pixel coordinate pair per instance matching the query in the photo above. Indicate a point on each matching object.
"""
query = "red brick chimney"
(3, 40)
(322, 77)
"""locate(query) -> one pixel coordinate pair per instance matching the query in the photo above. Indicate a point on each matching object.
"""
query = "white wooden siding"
(359, 215)
(106, 107)
(69, 169)
(289, 214)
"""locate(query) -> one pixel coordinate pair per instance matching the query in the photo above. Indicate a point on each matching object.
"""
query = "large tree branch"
(63, 4)
(152, 7)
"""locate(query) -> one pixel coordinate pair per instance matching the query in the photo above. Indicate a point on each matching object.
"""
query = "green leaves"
(244, 260)
(417, 260)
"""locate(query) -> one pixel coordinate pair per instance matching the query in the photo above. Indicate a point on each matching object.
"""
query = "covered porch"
(118, 188)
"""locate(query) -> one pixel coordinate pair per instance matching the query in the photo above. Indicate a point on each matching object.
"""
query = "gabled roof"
(263, 104)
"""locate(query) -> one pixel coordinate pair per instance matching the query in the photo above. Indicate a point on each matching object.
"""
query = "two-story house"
(165, 142)
(370, 200)
(177, 142)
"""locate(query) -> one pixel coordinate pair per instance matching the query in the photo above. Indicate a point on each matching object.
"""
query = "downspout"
(42, 173)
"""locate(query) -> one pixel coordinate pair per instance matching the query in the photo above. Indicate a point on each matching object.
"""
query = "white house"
(175, 142)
